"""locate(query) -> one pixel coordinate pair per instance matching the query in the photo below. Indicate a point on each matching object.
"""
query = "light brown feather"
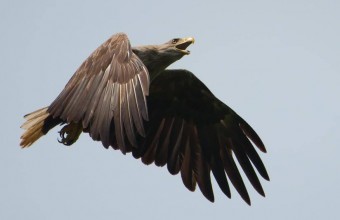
(33, 127)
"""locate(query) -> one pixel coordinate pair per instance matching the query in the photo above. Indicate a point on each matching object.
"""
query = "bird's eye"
(175, 40)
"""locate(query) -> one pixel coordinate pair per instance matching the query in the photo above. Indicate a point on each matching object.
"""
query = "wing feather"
(201, 168)
(111, 69)
(246, 166)
(187, 165)
(165, 142)
(177, 148)
(211, 148)
(199, 134)
(233, 173)
(135, 112)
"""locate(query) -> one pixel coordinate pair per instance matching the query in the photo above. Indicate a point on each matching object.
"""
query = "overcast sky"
(276, 64)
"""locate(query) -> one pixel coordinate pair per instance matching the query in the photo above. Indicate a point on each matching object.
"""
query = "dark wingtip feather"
(248, 169)
(252, 135)
(247, 201)
(204, 183)
(234, 175)
(260, 191)
(252, 154)
(209, 196)
(265, 176)
(222, 182)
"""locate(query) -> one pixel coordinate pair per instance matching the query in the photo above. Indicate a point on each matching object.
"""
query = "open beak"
(184, 43)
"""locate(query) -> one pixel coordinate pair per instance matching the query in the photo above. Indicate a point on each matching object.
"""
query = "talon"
(62, 135)
(70, 133)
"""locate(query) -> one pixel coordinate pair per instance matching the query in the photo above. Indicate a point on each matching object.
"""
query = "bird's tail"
(37, 124)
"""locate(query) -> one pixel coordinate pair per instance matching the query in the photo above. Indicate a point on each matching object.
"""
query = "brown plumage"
(125, 98)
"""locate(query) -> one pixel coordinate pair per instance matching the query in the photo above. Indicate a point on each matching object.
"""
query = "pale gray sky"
(276, 63)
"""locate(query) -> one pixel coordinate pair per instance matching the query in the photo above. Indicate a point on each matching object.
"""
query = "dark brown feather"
(210, 131)
(233, 172)
(211, 151)
(251, 153)
(187, 165)
(249, 131)
(246, 166)
(164, 142)
(152, 142)
(178, 142)
(201, 168)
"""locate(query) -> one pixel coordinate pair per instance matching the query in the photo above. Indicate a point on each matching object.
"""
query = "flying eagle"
(126, 98)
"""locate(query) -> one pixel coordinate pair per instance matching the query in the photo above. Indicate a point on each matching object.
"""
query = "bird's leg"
(70, 133)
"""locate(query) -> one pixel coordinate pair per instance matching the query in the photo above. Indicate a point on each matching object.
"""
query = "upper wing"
(110, 87)
(194, 133)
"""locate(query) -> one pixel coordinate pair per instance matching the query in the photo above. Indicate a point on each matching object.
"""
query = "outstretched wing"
(110, 87)
(194, 133)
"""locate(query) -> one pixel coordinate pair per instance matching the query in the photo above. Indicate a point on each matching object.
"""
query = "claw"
(70, 133)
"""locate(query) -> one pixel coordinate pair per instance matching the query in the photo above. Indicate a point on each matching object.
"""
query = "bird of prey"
(126, 98)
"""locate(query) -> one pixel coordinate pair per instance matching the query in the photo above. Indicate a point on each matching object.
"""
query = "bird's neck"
(153, 59)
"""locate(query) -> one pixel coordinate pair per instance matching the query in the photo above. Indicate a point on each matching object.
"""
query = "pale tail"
(33, 126)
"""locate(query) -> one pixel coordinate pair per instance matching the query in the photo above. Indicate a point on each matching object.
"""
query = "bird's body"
(125, 97)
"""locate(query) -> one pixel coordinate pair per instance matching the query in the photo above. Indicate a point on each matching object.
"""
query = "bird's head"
(179, 45)
(158, 57)
(175, 48)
